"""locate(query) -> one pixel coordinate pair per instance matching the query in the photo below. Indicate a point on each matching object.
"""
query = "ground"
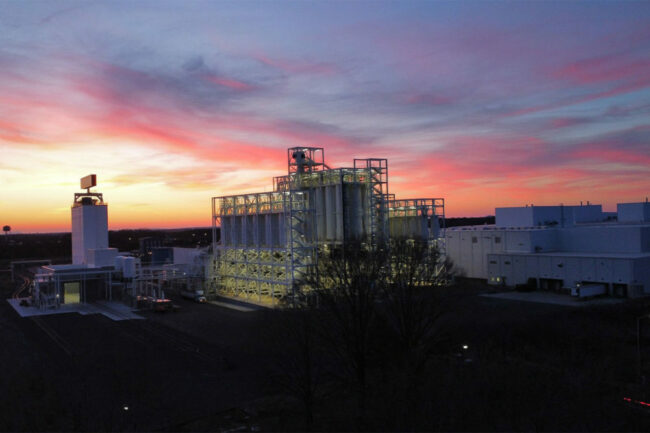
(210, 368)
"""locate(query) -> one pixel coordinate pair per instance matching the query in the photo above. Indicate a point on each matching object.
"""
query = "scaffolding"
(264, 243)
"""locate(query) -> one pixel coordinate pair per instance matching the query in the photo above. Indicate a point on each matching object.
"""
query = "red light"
(642, 403)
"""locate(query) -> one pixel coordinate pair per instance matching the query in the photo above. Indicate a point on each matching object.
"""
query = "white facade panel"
(558, 268)
(101, 257)
(645, 239)
(186, 256)
(572, 271)
(518, 241)
(519, 270)
(641, 273)
(542, 241)
(535, 216)
(494, 268)
(89, 230)
(532, 267)
(599, 239)
(633, 212)
(604, 271)
(585, 214)
(588, 269)
(514, 217)
(478, 257)
(505, 264)
(622, 271)
(545, 264)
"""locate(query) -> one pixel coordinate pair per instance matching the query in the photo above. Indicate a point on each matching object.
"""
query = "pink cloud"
(228, 82)
(297, 67)
(603, 69)
(564, 122)
(427, 99)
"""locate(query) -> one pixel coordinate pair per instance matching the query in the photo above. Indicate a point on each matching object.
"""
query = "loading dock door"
(71, 293)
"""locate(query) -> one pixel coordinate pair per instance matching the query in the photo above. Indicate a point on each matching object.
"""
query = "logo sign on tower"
(88, 181)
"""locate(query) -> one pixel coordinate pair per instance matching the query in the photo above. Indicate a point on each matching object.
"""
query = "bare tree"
(413, 302)
(298, 357)
(347, 284)
(373, 298)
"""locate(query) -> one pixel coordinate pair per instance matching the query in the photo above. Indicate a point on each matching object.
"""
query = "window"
(497, 239)
(474, 239)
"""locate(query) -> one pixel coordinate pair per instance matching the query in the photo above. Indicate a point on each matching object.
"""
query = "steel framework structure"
(264, 243)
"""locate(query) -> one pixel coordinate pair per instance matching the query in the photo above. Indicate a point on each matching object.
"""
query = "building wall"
(569, 255)
(534, 216)
(642, 274)
(89, 230)
(468, 249)
(513, 269)
(633, 212)
(514, 217)
(604, 239)
(101, 257)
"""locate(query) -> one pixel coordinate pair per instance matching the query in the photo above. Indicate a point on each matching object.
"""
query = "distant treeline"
(58, 246)
(471, 221)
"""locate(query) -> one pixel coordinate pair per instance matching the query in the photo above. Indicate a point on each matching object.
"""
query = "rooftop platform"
(115, 311)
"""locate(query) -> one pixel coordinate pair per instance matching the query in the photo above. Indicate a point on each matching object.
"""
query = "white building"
(97, 272)
(89, 224)
(558, 247)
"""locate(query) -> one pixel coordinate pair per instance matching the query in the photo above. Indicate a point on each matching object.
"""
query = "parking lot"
(207, 367)
(88, 372)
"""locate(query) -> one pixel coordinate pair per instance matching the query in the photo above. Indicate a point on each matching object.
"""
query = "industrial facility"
(99, 273)
(264, 243)
(561, 248)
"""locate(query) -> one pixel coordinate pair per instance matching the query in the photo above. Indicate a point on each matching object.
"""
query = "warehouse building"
(559, 248)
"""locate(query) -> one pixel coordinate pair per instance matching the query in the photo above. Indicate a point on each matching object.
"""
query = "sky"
(491, 103)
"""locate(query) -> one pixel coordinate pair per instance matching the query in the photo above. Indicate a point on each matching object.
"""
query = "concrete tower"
(89, 221)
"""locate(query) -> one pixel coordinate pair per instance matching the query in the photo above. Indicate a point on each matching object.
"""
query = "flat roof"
(579, 254)
(601, 224)
(492, 227)
(76, 269)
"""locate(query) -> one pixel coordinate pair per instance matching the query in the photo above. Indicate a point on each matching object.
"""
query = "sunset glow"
(170, 103)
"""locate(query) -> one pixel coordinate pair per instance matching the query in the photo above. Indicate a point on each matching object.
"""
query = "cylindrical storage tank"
(236, 230)
(282, 230)
(352, 211)
(129, 267)
(338, 206)
(435, 226)
(364, 209)
(321, 210)
(329, 192)
(424, 226)
(268, 219)
(260, 229)
(249, 230)
(119, 263)
(357, 205)
(225, 231)
(274, 227)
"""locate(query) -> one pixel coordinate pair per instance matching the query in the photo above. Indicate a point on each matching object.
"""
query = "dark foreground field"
(206, 368)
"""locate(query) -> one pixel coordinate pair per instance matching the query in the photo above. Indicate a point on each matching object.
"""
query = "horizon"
(486, 104)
